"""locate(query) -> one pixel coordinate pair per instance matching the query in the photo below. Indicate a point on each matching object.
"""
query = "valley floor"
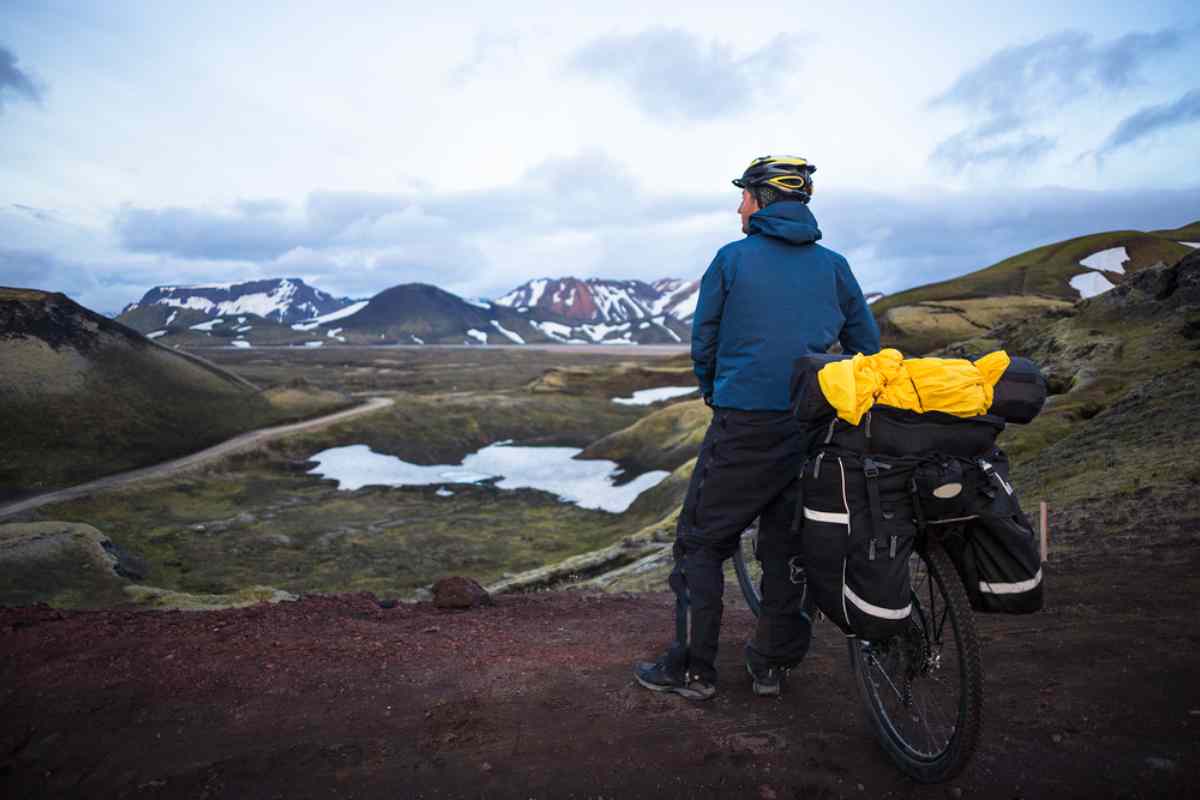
(334, 696)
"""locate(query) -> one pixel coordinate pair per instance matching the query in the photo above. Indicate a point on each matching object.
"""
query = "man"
(765, 300)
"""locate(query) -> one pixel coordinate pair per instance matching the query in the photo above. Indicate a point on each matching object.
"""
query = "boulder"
(460, 592)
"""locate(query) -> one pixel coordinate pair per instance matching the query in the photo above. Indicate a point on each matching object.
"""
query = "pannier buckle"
(892, 549)
(871, 551)
(870, 468)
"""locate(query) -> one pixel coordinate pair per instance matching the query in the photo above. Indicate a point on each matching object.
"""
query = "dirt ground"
(336, 696)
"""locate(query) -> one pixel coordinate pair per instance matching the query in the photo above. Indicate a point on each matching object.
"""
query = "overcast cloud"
(363, 150)
(1147, 121)
(1016, 89)
(353, 244)
(14, 80)
(671, 72)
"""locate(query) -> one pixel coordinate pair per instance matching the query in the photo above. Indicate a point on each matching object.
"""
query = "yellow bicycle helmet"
(789, 175)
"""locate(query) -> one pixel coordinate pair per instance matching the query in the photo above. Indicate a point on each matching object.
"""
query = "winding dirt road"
(245, 441)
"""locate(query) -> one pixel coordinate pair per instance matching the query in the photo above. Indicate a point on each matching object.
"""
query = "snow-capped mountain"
(676, 297)
(283, 300)
(592, 300)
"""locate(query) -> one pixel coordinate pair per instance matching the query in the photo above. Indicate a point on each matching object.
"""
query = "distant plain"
(259, 518)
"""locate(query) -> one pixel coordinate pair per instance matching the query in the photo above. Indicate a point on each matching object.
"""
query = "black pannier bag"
(899, 432)
(1020, 393)
(993, 546)
(808, 401)
(859, 530)
(809, 405)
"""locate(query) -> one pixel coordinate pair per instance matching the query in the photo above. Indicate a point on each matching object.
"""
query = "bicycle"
(923, 692)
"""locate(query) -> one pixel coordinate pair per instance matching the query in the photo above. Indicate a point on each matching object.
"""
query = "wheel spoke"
(883, 672)
(928, 715)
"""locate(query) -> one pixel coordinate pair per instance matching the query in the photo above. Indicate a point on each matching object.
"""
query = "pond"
(588, 484)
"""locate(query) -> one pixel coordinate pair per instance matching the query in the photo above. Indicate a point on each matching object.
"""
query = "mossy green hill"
(84, 396)
(1037, 281)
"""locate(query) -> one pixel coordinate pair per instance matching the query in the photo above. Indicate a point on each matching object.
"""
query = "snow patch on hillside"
(687, 306)
(1193, 245)
(241, 344)
(1110, 260)
(194, 303)
(155, 334)
(207, 326)
(555, 330)
(513, 336)
(332, 316)
(645, 397)
(478, 336)
(1090, 284)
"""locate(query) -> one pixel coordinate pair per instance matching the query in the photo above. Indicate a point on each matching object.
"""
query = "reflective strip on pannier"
(874, 610)
(856, 557)
(1011, 588)
(833, 517)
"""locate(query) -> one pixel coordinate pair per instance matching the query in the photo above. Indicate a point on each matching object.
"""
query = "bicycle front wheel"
(923, 690)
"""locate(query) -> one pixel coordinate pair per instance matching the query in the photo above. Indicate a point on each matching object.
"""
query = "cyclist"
(764, 301)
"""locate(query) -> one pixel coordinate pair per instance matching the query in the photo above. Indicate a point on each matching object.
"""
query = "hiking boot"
(767, 682)
(657, 678)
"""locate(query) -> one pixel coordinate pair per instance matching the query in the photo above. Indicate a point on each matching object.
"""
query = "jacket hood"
(786, 220)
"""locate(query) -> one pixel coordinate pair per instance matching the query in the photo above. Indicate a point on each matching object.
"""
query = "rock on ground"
(460, 592)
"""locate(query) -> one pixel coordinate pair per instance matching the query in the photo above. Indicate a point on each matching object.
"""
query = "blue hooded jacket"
(768, 299)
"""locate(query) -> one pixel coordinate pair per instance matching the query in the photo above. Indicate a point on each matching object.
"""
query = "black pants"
(747, 468)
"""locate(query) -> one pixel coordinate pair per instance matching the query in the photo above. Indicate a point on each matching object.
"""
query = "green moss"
(154, 597)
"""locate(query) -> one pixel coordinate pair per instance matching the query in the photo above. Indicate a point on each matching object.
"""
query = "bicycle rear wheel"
(748, 569)
(923, 690)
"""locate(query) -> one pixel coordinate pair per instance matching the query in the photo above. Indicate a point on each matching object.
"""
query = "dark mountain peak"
(283, 300)
(56, 320)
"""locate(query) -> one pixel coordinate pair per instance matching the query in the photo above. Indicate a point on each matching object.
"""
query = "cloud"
(998, 140)
(15, 80)
(1152, 119)
(584, 216)
(895, 243)
(589, 191)
(240, 234)
(1057, 69)
(673, 73)
(1016, 88)
(28, 269)
(490, 47)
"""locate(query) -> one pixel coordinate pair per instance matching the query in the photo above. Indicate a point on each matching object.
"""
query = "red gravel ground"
(333, 696)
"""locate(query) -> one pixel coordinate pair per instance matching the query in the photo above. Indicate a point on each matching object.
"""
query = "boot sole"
(682, 691)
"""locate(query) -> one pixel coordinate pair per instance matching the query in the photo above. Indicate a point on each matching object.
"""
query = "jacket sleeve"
(706, 325)
(860, 333)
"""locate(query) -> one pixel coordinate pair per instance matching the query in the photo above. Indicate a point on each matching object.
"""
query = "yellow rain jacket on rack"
(951, 385)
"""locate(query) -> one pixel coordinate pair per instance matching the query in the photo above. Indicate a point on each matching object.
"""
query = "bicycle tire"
(751, 589)
(960, 747)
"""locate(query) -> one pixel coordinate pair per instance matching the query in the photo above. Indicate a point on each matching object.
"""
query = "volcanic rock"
(460, 592)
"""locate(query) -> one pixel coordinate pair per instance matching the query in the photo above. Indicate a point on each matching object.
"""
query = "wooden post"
(1045, 527)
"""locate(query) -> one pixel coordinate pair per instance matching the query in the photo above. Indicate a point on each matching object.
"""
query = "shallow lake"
(588, 484)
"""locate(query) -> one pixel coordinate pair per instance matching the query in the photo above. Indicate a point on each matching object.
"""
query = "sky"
(476, 146)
